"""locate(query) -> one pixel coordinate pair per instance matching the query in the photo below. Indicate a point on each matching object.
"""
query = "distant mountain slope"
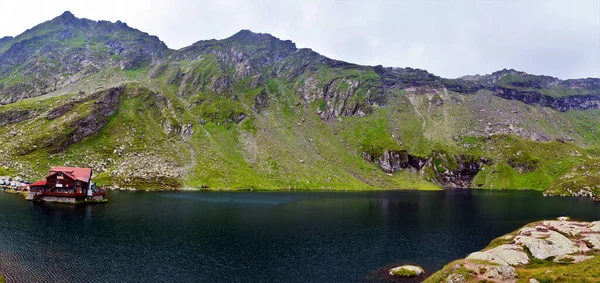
(253, 111)
(59, 52)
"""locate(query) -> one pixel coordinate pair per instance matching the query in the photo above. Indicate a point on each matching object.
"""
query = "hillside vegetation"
(254, 112)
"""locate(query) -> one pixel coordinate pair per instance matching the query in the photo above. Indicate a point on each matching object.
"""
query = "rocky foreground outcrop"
(532, 254)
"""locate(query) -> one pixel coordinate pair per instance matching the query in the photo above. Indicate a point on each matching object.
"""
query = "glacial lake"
(260, 236)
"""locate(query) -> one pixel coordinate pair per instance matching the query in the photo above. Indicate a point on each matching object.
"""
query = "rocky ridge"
(248, 109)
(562, 95)
(66, 49)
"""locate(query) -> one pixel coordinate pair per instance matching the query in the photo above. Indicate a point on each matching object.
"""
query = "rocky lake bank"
(545, 251)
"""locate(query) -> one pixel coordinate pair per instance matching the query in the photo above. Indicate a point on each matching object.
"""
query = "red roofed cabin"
(67, 184)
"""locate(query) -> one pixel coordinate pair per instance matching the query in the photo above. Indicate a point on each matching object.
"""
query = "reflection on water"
(236, 198)
(250, 236)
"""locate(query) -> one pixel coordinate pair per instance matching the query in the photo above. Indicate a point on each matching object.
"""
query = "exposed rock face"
(568, 228)
(498, 273)
(508, 84)
(395, 160)
(218, 65)
(147, 170)
(260, 101)
(502, 255)
(511, 84)
(15, 116)
(579, 102)
(572, 258)
(461, 177)
(545, 243)
(561, 241)
(101, 110)
(455, 278)
(446, 169)
(338, 94)
(84, 126)
(401, 78)
(595, 227)
(478, 272)
(60, 110)
(185, 131)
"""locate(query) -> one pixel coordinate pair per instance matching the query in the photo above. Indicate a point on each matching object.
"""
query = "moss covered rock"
(407, 271)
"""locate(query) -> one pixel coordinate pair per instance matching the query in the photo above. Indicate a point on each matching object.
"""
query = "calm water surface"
(259, 237)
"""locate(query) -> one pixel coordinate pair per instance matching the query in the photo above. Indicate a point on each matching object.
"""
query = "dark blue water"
(253, 237)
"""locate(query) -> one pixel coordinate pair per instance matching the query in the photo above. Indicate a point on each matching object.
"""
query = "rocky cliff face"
(103, 107)
(562, 95)
(443, 168)
(393, 161)
(15, 116)
(249, 61)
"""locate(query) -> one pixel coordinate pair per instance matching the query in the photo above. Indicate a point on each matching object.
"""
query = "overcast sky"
(447, 38)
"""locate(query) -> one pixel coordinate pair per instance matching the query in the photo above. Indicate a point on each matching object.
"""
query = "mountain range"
(255, 112)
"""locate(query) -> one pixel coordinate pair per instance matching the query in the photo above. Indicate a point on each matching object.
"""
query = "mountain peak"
(66, 18)
(248, 37)
(67, 14)
(246, 34)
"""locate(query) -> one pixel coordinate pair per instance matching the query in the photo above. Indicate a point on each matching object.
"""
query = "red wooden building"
(68, 185)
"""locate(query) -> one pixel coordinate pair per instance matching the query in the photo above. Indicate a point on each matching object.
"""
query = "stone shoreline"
(531, 254)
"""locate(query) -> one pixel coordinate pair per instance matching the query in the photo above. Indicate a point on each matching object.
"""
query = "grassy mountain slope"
(252, 111)
(60, 52)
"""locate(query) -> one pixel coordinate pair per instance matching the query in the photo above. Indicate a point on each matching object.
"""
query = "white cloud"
(449, 38)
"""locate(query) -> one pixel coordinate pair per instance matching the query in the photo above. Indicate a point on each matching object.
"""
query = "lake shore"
(193, 189)
(542, 251)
